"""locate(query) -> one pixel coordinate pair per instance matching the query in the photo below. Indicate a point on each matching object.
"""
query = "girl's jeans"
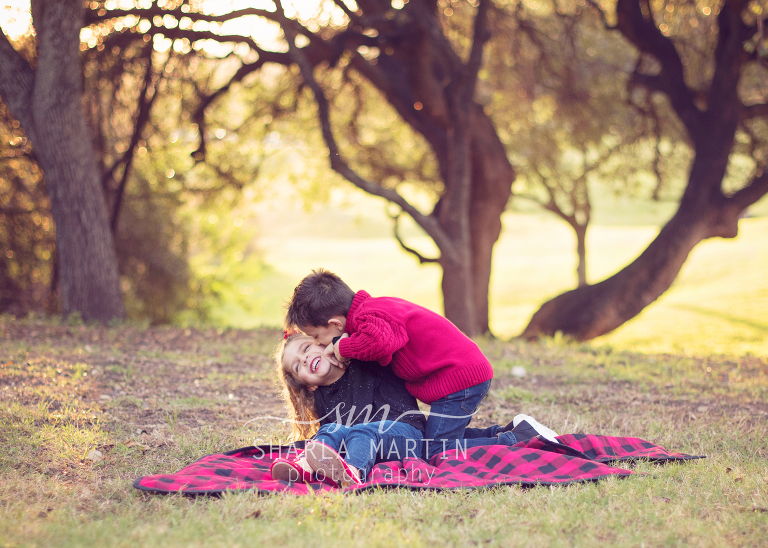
(368, 444)
(448, 420)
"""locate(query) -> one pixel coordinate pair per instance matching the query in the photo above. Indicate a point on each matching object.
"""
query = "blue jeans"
(448, 420)
(366, 444)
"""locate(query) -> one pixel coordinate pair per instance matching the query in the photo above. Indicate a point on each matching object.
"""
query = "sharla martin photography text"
(377, 452)
(380, 448)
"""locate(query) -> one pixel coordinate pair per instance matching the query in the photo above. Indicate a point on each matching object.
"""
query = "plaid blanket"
(577, 458)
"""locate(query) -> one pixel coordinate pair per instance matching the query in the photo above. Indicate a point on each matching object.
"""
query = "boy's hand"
(332, 352)
(331, 357)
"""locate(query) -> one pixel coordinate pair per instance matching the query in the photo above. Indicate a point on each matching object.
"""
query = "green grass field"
(152, 400)
(718, 304)
(690, 373)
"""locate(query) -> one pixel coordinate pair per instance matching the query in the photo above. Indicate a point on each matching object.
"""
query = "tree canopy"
(461, 98)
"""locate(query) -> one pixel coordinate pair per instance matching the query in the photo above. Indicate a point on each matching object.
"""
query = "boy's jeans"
(367, 444)
(448, 420)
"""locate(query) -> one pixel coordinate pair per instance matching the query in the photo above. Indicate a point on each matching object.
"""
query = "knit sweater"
(423, 348)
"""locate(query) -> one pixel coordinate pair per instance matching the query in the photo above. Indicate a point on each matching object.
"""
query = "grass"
(718, 304)
(151, 400)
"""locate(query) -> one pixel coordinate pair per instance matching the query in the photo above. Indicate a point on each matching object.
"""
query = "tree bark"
(47, 103)
(492, 178)
(581, 253)
(466, 287)
(457, 283)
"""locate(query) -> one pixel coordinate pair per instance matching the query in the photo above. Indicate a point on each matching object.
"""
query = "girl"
(364, 410)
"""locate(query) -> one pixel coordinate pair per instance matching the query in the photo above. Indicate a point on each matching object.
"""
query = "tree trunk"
(593, 310)
(457, 296)
(88, 280)
(492, 177)
(432, 87)
(424, 70)
(458, 283)
(581, 253)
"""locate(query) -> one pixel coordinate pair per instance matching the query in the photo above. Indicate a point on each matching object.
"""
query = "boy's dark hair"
(320, 296)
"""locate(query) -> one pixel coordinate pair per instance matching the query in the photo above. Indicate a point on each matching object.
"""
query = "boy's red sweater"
(425, 349)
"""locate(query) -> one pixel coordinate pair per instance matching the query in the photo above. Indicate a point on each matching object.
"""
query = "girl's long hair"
(299, 401)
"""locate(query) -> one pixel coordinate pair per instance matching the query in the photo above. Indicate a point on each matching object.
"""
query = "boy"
(440, 365)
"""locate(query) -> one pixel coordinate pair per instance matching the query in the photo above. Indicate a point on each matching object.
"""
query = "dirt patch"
(639, 398)
(144, 380)
(150, 382)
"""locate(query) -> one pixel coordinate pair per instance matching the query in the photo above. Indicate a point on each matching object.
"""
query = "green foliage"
(150, 236)
(225, 264)
(378, 143)
(152, 185)
(27, 233)
(152, 253)
(556, 83)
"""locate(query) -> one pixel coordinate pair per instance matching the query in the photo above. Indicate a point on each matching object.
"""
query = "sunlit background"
(719, 303)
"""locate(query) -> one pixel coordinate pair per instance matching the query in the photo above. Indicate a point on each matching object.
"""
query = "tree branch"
(649, 81)
(97, 16)
(422, 259)
(729, 57)
(640, 29)
(147, 55)
(17, 81)
(195, 35)
(749, 112)
(206, 99)
(550, 205)
(142, 117)
(745, 197)
(429, 224)
(475, 61)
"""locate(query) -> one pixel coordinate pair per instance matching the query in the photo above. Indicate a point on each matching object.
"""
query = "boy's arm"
(377, 337)
(332, 353)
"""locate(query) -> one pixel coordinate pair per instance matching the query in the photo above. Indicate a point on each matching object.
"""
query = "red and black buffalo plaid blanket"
(578, 458)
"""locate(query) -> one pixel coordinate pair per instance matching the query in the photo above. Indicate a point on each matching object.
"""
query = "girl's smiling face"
(304, 360)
